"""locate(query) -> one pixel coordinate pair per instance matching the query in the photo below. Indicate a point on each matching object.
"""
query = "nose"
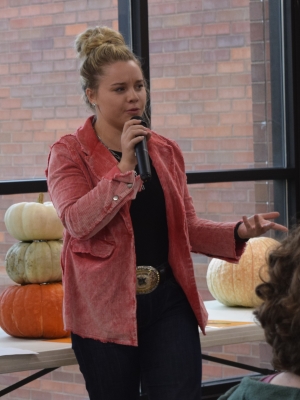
(133, 95)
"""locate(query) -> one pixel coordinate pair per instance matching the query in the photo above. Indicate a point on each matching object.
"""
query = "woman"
(279, 315)
(131, 300)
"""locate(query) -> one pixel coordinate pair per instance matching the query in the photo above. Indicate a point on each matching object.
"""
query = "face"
(120, 96)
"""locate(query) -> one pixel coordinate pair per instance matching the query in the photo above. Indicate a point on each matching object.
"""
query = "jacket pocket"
(97, 248)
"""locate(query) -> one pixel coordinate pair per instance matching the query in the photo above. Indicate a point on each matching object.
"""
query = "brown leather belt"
(148, 277)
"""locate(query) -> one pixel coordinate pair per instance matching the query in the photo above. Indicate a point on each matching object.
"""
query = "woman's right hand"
(133, 133)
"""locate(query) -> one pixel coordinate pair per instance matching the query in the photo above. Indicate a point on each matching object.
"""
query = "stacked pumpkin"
(234, 284)
(33, 308)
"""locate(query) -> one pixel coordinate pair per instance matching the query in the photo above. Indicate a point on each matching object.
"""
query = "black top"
(149, 220)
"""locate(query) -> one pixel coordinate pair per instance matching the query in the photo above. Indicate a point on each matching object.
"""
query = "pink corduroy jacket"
(92, 198)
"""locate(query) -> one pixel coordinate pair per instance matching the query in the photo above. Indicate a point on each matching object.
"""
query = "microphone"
(141, 151)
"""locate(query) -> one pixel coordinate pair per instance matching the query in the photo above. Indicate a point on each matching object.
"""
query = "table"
(230, 325)
(227, 325)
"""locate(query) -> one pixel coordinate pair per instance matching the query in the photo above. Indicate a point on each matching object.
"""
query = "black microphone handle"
(141, 151)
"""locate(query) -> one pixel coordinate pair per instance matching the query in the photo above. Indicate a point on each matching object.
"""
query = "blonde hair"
(96, 48)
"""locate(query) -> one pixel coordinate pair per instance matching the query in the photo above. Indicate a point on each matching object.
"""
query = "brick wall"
(201, 72)
(210, 92)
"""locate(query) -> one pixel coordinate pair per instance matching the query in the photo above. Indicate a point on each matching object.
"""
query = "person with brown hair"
(279, 316)
(130, 296)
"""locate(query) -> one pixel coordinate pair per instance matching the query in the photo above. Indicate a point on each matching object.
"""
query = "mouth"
(133, 111)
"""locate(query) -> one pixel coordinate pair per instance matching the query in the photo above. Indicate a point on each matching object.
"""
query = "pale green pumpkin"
(34, 262)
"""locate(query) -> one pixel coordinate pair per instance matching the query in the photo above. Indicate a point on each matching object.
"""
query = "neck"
(287, 379)
(112, 140)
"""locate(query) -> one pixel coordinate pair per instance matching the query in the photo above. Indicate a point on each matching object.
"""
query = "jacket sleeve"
(84, 208)
(214, 239)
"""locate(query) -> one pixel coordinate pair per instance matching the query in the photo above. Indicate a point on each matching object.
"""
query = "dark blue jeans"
(167, 360)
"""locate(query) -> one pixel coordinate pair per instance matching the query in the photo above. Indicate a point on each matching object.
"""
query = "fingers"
(259, 223)
(266, 227)
(279, 227)
(134, 125)
(264, 216)
(263, 221)
(270, 215)
(246, 222)
(254, 225)
(133, 133)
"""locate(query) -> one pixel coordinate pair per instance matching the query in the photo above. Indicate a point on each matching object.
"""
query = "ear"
(90, 94)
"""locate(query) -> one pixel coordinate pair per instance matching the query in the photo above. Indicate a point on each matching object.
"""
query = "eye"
(119, 89)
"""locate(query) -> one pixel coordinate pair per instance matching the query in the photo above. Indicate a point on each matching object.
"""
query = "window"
(224, 81)
(221, 79)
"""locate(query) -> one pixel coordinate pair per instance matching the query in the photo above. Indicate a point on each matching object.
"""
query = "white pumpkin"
(27, 221)
(234, 284)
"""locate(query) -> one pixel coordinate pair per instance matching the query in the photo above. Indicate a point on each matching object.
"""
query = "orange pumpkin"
(33, 311)
(234, 284)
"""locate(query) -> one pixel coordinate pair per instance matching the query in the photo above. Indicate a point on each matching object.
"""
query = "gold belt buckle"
(147, 279)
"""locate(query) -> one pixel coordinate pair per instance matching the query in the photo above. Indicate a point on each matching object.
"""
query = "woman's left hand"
(259, 224)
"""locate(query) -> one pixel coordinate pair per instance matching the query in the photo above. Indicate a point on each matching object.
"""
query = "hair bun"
(93, 38)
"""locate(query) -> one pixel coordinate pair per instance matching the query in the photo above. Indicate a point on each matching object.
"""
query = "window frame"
(133, 23)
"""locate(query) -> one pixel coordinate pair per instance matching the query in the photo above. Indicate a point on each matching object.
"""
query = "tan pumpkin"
(33, 221)
(33, 311)
(34, 262)
(234, 284)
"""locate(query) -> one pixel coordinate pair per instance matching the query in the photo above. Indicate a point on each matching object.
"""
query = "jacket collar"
(101, 160)
(97, 154)
(87, 137)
